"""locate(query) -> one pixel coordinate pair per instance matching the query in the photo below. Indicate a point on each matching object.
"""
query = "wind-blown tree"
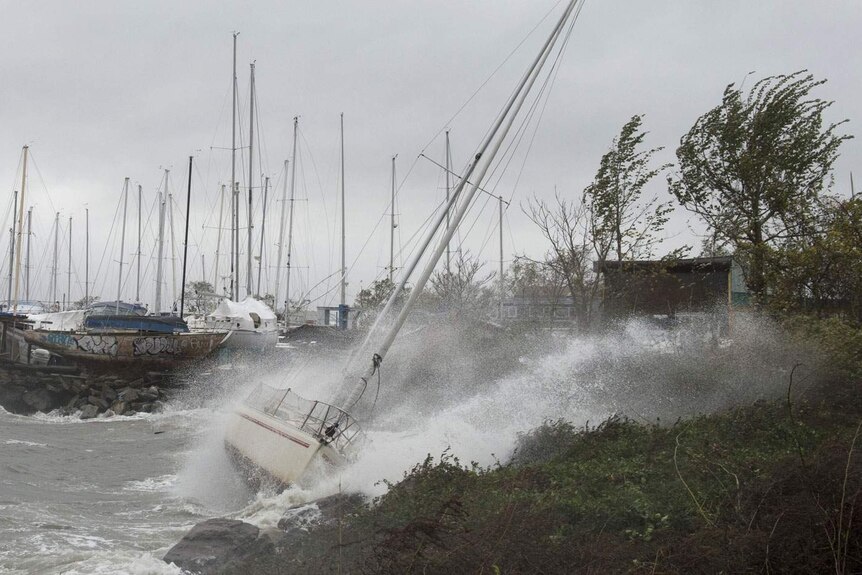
(822, 272)
(624, 223)
(754, 166)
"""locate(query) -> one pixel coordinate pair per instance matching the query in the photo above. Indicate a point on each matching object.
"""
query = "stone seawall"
(28, 389)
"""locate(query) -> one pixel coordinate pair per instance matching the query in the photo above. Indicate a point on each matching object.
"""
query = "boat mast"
(27, 261)
(12, 244)
(502, 279)
(234, 207)
(69, 269)
(343, 235)
(170, 209)
(235, 263)
(260, 252)
(20, 222)
(218, 240)
(186, 240)
(280, 235)
(392, 227)
(507, 117)
(290, 228)
(54, 264)
(122, 241)
(448, 161)
(161, 250)
(86, 256)
(248, 275)
(138, 277)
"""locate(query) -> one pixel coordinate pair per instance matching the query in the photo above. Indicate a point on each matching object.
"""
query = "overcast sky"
(106, 90)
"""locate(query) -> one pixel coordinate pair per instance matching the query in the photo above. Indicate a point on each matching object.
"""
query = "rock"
(73, 401)
(40, 400)
(110, 413)
(129, 395)
(157, 406)
(119, 407)
(137, 382)
(320, 512)
(108, 393)
(98, 401)
(53, 388)
(219, 546)
(89, 412)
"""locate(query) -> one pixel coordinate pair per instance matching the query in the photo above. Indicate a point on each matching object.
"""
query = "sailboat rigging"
(280, 433)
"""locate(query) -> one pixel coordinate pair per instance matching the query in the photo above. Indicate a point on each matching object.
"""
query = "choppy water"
(113, 495)
(93, 497)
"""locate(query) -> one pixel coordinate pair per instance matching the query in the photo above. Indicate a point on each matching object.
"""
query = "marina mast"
(12, 244)
(69, 269)
(290, 227)
(27, 261)
(54, 264)
(392, 226)
(248, 275)
(138, 277)
(122, 241)
(260, 252)
(234, 207)
(218, 239)
(280, 235)
(343, 236)
(20, 222)
(186, 240)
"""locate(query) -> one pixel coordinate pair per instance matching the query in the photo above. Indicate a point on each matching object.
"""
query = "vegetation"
(613, 219)
(754, 167)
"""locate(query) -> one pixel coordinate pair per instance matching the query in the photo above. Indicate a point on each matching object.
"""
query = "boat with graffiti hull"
(127, 346)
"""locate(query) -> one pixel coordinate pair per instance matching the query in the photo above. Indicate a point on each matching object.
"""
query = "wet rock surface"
(306, 541)
(28, 389)
(219, 546)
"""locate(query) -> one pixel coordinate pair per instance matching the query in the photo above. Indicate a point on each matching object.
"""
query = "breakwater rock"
(28, 389)
(303, 542)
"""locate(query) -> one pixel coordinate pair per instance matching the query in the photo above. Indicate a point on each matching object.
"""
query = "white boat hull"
(251, 340)
(281, 450)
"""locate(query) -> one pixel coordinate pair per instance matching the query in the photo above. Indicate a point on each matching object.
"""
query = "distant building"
(669, 288)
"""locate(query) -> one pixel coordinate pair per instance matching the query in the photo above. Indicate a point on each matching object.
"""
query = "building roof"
(687, 265)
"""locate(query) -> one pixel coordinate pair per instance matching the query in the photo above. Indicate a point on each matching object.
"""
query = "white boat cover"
(249, 314)
(58, 321)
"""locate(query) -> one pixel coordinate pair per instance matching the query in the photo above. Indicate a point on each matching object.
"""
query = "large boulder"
(89, 411)
(219, 546)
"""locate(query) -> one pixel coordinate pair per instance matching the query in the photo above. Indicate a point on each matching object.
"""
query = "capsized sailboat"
(282, 434)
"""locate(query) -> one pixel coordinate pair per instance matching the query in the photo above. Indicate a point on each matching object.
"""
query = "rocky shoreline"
(28, 389)
(298, 545)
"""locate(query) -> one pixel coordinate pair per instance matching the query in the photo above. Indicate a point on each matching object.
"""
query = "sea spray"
(440, 394)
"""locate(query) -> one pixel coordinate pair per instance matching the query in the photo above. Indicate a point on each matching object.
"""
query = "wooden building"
(671, 288)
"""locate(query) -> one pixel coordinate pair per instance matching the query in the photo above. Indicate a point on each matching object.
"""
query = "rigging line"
(42, 181)
(509, 154)
(543, 97)
(107, 242)
(319, 184)
(491, 76)
(446, 124)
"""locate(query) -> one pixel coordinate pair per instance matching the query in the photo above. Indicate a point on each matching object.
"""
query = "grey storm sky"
(103, 90)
